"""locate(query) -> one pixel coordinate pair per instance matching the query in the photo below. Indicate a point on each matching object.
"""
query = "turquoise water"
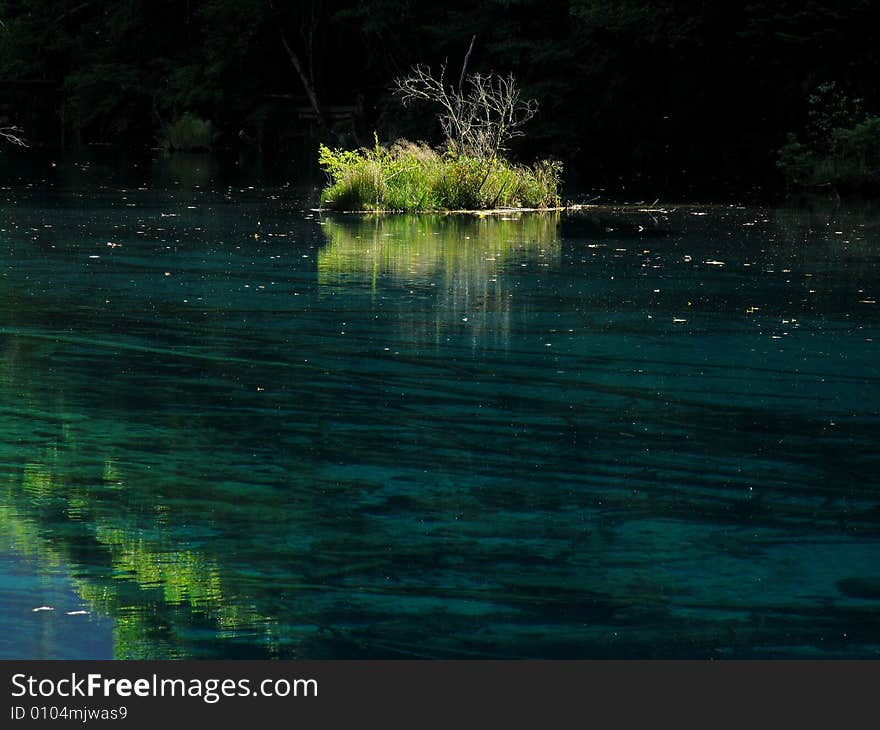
(233, 428)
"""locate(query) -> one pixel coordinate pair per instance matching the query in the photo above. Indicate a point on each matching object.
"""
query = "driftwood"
(478, 212)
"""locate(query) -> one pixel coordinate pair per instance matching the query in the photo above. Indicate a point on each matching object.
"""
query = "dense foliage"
(627, 90)
(839, 146)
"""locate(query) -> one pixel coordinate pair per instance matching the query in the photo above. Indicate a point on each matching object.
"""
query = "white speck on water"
(42, 608)
(77, 613)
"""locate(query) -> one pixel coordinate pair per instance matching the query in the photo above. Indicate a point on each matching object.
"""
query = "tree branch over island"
(479, 120)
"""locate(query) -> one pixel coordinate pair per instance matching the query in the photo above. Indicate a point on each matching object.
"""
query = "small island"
(469, 172)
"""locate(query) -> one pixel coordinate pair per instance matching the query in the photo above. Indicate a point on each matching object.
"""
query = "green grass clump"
(187, 133)
(413, 177)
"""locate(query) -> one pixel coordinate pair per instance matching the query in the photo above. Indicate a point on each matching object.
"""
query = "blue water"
(233, 428)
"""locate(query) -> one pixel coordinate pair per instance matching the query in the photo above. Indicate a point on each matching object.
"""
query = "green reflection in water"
(64, 508)
(419, 246)
(461, 263)
(138, 575)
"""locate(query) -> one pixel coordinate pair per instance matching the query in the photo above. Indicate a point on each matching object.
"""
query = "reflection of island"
(412, 247)
(463, 265)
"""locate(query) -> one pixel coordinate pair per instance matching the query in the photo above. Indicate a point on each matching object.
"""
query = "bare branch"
(13, 135)
(479, 120)
(464, 65)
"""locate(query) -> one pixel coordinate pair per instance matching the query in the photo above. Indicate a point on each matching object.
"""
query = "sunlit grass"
(411, 177)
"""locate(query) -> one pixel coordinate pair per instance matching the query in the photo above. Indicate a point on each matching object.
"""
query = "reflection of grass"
(169, 579)
(416, 246)
(465, 261)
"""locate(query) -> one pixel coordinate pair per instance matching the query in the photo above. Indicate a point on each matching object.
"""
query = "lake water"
(233, 428)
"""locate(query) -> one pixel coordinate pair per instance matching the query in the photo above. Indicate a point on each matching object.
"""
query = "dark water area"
(231, 427)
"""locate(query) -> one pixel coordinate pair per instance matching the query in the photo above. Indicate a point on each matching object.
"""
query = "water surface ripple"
(234, 428)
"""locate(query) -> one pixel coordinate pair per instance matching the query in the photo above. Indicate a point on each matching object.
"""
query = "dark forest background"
(633, 92)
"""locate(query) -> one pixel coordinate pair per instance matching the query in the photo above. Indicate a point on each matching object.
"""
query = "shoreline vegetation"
(410, 177)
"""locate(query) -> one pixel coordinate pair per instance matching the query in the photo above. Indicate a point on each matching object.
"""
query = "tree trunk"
(310, 90)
